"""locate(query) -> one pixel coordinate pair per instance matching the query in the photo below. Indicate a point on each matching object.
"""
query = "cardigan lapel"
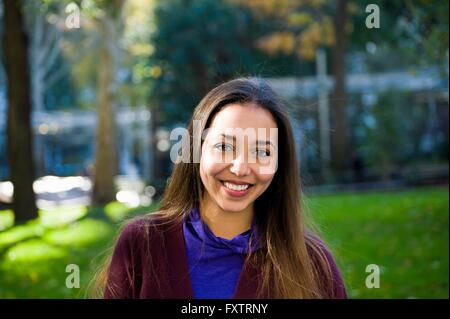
(248, 282)
(178, 263)
(179, 269)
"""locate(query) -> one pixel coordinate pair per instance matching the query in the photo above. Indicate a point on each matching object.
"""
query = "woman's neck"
(223, 223)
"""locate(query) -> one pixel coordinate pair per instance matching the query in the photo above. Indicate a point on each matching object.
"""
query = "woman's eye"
(262, 153)
(223, 147)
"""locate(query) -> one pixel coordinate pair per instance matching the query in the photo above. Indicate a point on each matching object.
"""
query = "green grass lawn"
(34, 256)
(404, 233)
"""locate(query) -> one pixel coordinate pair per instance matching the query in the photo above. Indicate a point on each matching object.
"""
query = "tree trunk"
(19, 132)
(340, 136)
(105, 156)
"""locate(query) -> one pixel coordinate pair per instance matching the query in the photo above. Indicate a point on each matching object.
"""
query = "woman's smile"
(236, 188)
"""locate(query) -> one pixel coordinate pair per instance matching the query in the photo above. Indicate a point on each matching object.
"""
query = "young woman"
(230, 225)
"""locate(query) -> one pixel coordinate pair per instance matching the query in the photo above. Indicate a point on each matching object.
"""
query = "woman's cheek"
(265, 178)
(264, 173)
(268, 167)
(264, 181)
(211, 164)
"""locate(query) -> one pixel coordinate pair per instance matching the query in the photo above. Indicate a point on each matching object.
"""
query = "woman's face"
(239, 156)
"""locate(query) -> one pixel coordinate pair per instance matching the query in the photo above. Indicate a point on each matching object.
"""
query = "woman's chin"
(233, 207)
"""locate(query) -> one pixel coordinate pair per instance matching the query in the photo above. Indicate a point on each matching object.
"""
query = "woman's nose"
(240, 167)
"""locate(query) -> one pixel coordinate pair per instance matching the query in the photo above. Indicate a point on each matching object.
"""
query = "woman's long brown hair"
(291, 259)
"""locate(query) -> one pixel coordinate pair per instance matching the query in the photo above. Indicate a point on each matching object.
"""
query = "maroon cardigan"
(133, 268)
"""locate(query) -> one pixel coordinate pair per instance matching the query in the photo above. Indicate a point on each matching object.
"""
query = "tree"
(19, 133)
(416, 30)
(197, 45)
(44, 48)
(109, 23)
(339, 100)
(299, 27)
(93, 54)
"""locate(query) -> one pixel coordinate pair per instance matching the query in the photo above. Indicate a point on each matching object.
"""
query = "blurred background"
(90, 91)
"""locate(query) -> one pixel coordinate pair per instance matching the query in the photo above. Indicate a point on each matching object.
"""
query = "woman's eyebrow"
(260, 142)
(231, 137)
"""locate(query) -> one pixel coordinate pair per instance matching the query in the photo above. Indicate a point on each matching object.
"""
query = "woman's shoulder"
(145, 228)
(314, 242)
(138, 223)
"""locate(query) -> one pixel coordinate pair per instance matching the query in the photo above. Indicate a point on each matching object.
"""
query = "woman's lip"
(236, 182)
(236, 193)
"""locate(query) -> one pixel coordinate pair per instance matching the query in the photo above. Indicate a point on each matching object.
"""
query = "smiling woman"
(230, 225)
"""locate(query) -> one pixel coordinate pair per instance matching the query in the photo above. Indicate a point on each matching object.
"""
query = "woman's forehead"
(243, 116)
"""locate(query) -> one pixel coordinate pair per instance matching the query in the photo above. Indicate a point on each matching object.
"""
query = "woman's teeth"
(236, 187)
